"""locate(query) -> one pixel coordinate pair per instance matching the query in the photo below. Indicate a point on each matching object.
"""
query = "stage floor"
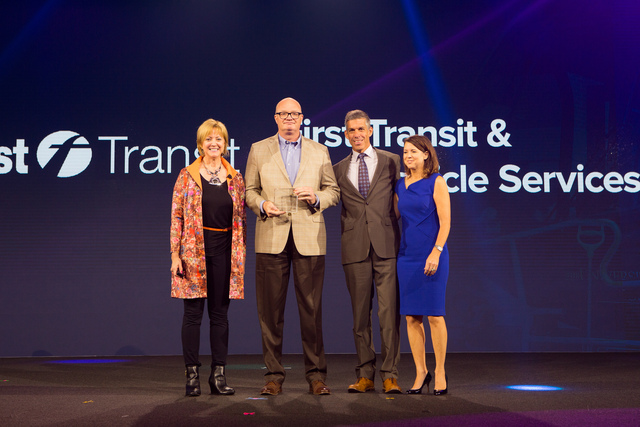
(593, 389)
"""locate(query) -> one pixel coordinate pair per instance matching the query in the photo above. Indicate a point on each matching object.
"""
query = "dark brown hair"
(431, 164)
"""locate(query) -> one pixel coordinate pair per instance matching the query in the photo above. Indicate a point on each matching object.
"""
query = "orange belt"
(217, 229)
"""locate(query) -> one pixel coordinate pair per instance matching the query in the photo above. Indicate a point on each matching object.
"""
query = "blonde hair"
(205, 130)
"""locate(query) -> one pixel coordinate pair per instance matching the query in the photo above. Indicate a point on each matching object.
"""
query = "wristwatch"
(438, 247)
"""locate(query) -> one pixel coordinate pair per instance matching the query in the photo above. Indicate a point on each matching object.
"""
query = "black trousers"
(218, 276)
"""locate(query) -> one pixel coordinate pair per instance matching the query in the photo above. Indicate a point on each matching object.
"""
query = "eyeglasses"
(284, 115)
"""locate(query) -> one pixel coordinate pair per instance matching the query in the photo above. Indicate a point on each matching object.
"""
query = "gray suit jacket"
(370, 222)
(265, 172)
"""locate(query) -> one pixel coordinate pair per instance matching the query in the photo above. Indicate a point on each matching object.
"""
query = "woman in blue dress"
(422, 201)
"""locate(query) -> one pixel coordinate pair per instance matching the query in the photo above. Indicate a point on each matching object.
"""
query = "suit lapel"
(305, 158)
(276, 156)
(382, 165)
(343, 176)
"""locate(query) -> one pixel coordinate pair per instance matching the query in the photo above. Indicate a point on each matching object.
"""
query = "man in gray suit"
(370, 242)
(290, 236)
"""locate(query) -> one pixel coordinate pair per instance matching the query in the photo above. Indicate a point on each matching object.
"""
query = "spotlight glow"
(531, 387)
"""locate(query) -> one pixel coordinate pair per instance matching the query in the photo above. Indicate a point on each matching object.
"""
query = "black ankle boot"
(193, 381)
(218, 382)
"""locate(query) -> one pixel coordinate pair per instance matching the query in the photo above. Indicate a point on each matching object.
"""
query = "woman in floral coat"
(208, 238)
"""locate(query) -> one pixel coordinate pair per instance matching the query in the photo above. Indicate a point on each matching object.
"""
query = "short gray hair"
(355, 115)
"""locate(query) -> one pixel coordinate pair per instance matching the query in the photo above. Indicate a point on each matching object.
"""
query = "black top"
(217, 212)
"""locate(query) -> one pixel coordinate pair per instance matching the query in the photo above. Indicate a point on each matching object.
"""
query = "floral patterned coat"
(187, 237)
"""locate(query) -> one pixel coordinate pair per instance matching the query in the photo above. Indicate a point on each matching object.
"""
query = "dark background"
(85, 259)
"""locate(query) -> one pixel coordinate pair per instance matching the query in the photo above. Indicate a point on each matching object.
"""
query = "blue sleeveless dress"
(420, 294)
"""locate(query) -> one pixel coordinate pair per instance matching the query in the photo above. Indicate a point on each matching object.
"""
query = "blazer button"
(289, 213)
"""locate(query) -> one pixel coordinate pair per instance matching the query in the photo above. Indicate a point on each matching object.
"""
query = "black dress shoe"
(446, 389)
(426, 382)
(218, 382)
(193, 381)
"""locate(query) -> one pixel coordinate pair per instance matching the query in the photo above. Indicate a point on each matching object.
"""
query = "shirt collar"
(369, 152)
(283, 141)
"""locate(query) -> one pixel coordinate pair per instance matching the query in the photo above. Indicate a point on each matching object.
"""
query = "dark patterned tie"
(363, 176)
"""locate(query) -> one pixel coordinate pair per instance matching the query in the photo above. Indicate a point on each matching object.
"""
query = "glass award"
(286, 200)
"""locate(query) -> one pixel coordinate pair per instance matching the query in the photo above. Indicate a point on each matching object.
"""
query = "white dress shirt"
(371, 160)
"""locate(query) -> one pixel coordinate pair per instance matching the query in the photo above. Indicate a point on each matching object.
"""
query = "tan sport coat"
(371, 221)
(266, 171)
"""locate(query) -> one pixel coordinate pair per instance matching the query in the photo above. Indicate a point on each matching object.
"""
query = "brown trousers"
(361, 277)
(272, 281)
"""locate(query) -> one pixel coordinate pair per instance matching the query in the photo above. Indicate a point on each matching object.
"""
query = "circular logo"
(75, 149)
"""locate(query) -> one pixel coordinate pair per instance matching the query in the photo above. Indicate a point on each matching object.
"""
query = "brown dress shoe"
(271, 388)
(363, 384)
(391, 386)
(318, 387)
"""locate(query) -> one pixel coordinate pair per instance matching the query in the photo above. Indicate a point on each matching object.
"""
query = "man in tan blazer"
(370, 240)
(290, 236)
